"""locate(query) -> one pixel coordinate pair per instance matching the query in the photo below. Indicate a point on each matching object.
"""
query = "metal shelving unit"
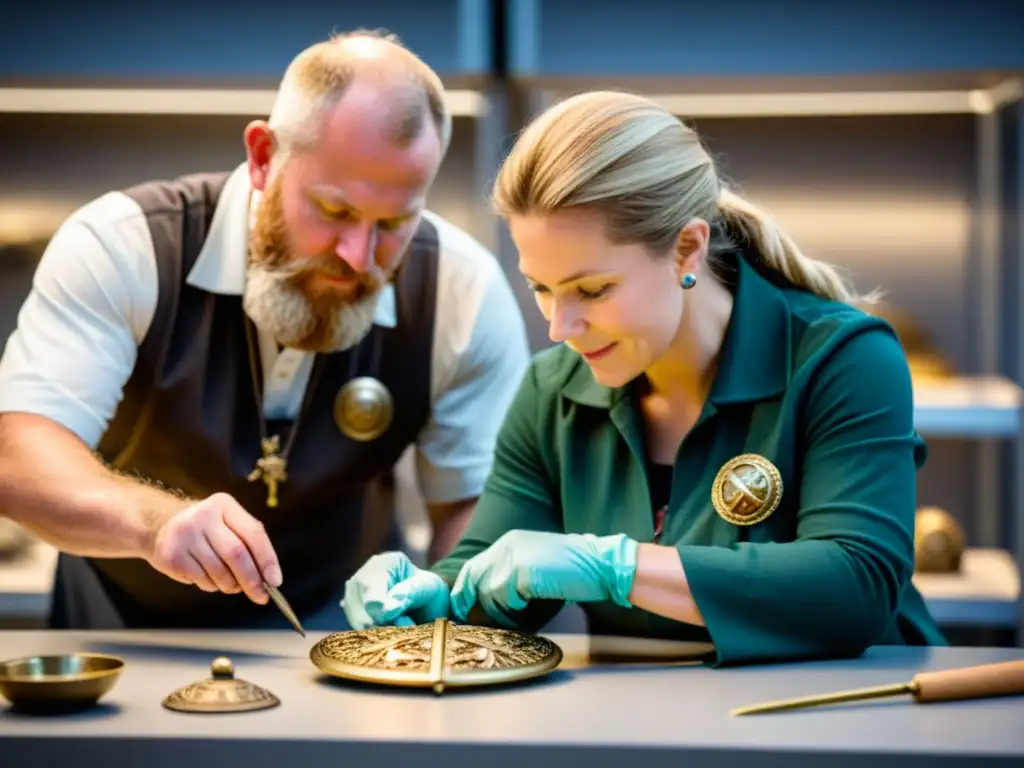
(987, 590)
(26, 581)
(969, 407)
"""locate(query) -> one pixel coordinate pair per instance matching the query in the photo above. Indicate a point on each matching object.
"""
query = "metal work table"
(587, 713)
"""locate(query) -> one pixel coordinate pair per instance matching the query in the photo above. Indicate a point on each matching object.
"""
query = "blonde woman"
(719, 447)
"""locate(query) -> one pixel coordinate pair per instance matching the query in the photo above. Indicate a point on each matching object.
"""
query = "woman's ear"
(692, 247)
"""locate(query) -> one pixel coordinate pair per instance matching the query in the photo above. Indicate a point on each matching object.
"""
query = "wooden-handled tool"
(985, 681)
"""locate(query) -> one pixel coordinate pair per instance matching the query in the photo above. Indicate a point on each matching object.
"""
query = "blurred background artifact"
(13, 539)
(938, 541)
(926, 362)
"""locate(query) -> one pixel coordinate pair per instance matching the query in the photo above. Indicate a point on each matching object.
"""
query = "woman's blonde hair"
(647, 174)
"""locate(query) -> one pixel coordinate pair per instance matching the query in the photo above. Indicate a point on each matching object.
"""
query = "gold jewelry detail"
(363, 409)
(747, 489)
(272, 468)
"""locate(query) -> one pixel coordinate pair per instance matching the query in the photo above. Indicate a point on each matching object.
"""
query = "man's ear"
(259, 150)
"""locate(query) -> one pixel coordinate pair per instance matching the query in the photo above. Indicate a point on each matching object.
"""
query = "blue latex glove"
(388, 589)
(525, 565)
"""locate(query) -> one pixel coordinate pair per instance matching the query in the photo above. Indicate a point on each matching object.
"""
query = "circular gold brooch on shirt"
(437, 656)
(747, 489)
(363, 409)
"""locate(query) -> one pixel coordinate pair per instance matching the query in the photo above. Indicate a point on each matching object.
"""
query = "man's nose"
(357, 246)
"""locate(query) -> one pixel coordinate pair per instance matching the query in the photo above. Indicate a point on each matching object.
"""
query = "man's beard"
(282, 295)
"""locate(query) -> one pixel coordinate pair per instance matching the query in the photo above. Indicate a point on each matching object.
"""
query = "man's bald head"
(343, 170)
(363, 67)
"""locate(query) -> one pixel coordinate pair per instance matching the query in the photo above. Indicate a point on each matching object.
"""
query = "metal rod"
(437, 655)
(859, 694)
(286, 609)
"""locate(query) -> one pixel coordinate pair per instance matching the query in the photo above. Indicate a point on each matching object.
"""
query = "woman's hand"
(526, 565)
(388, 589)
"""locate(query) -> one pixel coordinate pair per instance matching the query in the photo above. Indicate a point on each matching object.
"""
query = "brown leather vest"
(189, 419)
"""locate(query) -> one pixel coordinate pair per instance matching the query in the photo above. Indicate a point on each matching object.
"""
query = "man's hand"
(218, 546)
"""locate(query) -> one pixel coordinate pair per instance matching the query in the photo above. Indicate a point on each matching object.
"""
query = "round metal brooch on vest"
(747, 489)
(363, 409)
(437, 656)
(221, 692)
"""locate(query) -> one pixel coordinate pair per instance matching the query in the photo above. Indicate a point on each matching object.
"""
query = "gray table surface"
(590, 713)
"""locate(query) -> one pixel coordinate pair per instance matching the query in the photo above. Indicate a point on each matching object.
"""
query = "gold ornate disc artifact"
(438, 656)
(221, 693)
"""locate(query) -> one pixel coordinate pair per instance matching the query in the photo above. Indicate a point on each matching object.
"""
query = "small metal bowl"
(48, 684)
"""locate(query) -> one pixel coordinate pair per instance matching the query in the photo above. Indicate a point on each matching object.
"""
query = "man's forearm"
(53, 486)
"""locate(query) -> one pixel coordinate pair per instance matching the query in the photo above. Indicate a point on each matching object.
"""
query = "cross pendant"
(272, 468)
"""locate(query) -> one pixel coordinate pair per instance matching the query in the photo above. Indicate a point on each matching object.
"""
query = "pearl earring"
(689, 280)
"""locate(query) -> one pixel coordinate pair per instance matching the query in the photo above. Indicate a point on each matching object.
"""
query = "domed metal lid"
(438, 656)
(222, 692)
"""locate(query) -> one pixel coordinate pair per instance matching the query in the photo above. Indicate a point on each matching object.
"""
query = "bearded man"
(210, 373)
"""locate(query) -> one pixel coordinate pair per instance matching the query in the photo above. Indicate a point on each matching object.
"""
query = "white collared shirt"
(94, 295)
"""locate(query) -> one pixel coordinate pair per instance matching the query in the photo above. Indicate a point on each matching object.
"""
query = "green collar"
(755, 361)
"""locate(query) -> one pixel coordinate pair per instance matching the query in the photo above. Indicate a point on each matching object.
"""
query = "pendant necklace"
(272, 468)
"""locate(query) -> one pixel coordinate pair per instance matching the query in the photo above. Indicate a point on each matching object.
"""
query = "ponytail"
(779, 253)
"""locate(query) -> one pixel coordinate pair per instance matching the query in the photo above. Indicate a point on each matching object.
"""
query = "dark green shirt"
(821, 390)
